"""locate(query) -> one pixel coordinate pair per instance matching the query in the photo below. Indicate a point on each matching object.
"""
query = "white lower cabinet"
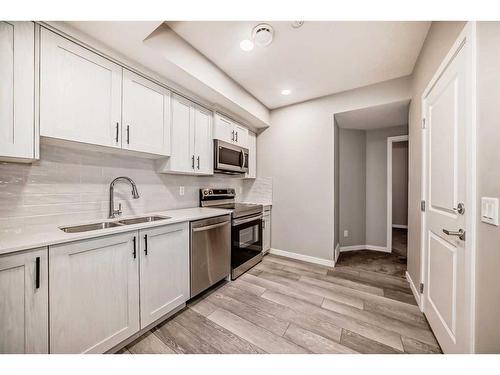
(94, 293)
(24, 307)
(266, 232)
(164, 270)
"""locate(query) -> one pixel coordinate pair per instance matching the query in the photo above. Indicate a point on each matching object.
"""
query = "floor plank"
(365, 345)
(149, 343)
(256, 335)
(218, 337)
(413, 346)
(314, 342)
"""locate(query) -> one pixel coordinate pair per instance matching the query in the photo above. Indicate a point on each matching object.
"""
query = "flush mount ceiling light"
(262, 34)
(286, 92)
(246, 45)
(297, 24)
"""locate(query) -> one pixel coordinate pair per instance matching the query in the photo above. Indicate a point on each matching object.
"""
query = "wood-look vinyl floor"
(288, 306)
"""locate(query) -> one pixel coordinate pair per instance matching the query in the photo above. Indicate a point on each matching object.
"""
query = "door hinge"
(421, 288)
(423, 123)
(422, 206)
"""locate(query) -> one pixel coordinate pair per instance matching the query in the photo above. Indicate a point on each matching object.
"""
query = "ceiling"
(381, 116)
(317, 59)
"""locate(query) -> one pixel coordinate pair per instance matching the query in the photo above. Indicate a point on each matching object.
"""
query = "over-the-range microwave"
(229, 158)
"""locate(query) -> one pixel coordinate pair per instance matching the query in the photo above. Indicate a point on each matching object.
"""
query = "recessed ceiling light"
(246, 45)
(286, 92)
(263, 34)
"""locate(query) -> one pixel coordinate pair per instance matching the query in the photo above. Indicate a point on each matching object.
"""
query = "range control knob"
(205, 192)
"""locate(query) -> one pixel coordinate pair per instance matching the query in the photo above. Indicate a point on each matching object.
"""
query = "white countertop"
(30, 237)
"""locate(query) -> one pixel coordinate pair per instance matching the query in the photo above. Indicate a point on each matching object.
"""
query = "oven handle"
(208, 227)
(246, 220)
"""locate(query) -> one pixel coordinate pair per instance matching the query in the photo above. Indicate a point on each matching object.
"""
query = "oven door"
(246, 249)
(230, 158)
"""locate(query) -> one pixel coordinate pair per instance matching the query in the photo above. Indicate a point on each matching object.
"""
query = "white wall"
(376, 183)
(297, 151)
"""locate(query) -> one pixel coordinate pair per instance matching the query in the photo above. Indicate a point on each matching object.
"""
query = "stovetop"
(224, 198)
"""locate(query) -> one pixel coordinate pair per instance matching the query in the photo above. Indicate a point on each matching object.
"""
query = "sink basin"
(89, 227)
(143, 219)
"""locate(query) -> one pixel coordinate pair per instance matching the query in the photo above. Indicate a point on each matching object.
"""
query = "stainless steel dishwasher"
(210, 254)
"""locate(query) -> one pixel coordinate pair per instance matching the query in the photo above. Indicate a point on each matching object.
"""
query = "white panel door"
(94, 293)
(17, 89)
(24, 305)
(445, 293)
(80, 93)
(240, 135)
(224, 129)
(164, 270)
(252, 155)
(203, 143)
(182, 141)
(146, 115)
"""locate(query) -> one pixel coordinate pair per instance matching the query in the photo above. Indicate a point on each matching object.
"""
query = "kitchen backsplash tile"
(69, 184)
(259, 190)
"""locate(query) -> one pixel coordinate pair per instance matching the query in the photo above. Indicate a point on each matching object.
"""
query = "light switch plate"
(181, 190)
(489, 210)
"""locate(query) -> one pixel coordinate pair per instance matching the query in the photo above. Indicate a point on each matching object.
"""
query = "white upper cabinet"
(191, 139)
(17, 91)
(229, 131)
(164, 270)
(24, 305)
(252, 155)
(80, 93)
(146, 115)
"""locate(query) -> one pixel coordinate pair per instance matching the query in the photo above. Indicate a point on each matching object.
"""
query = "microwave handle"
(242, 159)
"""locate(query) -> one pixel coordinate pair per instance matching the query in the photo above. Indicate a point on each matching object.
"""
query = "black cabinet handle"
(37, 272)
(232, 135)
(236, 137)
(116, 138)
(134, 252)
(128, 134)
(198, 162)
(146, 244)
(192, 161)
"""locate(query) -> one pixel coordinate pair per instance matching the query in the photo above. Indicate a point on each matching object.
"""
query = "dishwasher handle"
(208, 227)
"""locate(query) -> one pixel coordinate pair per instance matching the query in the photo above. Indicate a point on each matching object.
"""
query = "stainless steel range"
(246, 228)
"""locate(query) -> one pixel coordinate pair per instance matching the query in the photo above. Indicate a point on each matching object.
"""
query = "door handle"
(145, 244)
(460, 208)
(459, 233)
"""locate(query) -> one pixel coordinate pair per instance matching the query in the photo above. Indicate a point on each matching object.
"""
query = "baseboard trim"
(305, 258)
(365, 247)
(414, 290)
(400, 226)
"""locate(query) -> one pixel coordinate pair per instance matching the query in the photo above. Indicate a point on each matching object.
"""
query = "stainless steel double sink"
(112, 224)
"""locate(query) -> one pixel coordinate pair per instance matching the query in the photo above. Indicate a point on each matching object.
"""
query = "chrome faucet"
(135, 195)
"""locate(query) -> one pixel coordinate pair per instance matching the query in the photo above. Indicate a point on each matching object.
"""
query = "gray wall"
(400, 183)
(297, 151)
(488, 184)
(352, 181)
(376, 183)
(439, 40)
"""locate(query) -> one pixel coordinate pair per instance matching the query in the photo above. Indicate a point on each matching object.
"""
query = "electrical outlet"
(181, 190)
(489, 210)
(346, 233)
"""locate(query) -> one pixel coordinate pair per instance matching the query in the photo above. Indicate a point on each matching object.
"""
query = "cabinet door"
(17, 90)
(224, 129)
(146, 115)
(80, 93)
(252, 155)
(182, 143)
(94, 293)
(266, 233)
(24, 307)
(203, 142)
(240, 135)
(164, 270)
